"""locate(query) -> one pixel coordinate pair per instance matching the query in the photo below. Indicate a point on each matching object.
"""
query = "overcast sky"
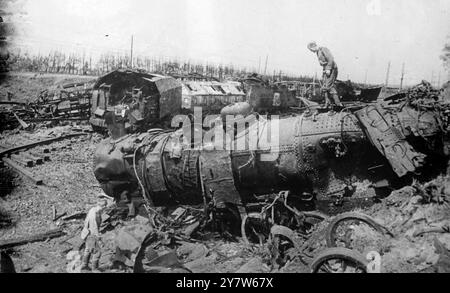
(362, 34)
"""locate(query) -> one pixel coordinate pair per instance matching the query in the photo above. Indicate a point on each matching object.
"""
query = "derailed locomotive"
(317, 157)
(140, 101)
(136, 98)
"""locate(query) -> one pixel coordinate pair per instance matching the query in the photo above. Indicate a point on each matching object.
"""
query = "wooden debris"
(59, 216)
(36, 160)
(44, 157)
(80, 215)
(27, 174)
(35, 144)
(443, 229)
(22, 161)
(21, 122)
(5, 244)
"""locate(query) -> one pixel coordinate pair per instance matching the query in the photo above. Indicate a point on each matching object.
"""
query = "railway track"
(24, 154)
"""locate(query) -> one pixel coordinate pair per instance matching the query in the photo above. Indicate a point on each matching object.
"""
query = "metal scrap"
(442, 229)
(332, 227)
(39, 143)
(339, 253)
(5, 244)
(23, 171)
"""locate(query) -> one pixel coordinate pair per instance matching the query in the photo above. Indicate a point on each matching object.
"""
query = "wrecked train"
(285, 97)
(317, 157)
(142, 100)
(136, 98)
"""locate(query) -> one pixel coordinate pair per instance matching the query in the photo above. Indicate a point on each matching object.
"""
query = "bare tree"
(445, 57)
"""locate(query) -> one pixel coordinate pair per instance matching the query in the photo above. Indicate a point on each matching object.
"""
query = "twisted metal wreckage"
(319, 162)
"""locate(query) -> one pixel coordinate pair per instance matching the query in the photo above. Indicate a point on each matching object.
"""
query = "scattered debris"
(254, 266)
(39, 143)
(339, 260)
(23, 171)
(443, 264)
(281, 231)
(443, 229)
(191, 251)
(70, 102)
(331, 230)
(4, 244)
(75, 216)
(75, 264)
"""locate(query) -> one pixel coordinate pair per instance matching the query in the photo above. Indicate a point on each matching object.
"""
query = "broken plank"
(22, 161)
(45, 157)
(27, 174)
(5, 244)
(35, 144)
(36, 160)
(57, 119)
(80, 215)
(59, 216)
(7, 145)
(53, 213)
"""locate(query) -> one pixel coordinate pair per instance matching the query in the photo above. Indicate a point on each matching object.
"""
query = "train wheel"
(339, 260)
(254, 228)
(332, 235)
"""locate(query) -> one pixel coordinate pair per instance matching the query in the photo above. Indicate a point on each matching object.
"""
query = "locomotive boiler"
(316, 156)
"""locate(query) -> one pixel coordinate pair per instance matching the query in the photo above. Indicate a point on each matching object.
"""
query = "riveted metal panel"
(217, 175)
(389, 141)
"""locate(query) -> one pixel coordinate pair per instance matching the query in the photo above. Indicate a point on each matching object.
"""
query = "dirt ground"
(26, 87)
(70, 188)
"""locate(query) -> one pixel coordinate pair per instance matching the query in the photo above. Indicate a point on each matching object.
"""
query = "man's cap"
(102, 195)
(102, 203)
(312, 45)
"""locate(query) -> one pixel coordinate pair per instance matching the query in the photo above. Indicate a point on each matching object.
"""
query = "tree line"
(81, 64)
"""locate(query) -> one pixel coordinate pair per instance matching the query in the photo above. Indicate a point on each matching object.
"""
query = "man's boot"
(95, 266)
(95, 262)
(327, 100)
(85, 261)
(336, 99)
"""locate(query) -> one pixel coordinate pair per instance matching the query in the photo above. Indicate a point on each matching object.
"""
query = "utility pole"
(132, 44)
(439, 80)
(387, 74)
(83, 69)
(259, 65)
(314, 84)
(403, 76)
(432, 77)
(265, 68)
(365, 78)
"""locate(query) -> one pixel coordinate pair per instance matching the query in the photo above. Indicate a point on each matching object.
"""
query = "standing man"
(91, 235)
(330, 73)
